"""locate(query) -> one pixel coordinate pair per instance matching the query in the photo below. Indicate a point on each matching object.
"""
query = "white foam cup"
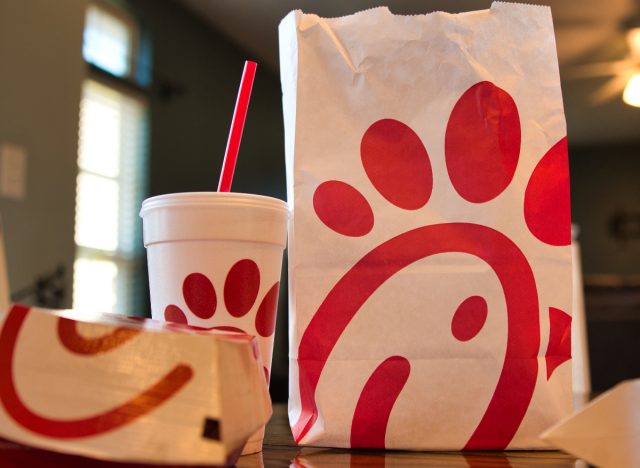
(214, 260)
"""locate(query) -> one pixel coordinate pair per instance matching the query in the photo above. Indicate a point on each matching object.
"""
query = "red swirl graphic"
(370, 419)
(138, 406)
(76, 343)
(517, 380)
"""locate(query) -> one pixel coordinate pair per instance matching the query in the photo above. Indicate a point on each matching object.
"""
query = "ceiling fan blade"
(595, 70)
(610, 89)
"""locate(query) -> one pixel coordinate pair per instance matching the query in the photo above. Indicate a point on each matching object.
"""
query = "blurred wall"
(196, 73)
(605, 192)
(41, 71)
(606, 206)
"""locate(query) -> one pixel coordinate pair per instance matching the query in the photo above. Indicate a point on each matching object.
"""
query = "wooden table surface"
(280, 451)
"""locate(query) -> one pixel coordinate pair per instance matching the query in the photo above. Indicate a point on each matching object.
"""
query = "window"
(112, 161)
(109, 40)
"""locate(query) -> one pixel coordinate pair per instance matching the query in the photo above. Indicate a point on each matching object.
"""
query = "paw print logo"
(240, 294)
(482, 149)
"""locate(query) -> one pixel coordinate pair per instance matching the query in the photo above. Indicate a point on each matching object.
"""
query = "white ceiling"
(586, 31)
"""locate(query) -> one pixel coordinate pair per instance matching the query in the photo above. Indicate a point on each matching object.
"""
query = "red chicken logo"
(482, 148)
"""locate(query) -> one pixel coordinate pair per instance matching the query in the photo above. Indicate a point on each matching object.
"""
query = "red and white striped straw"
(237, 126)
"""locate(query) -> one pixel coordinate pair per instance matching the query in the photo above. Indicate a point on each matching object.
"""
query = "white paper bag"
(429, 253)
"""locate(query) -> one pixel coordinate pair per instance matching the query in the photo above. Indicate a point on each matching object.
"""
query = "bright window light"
(94, 285)
(631, 93)
(112, 152)
(97, 212)
(110, 186)
(100, 129)
(107, 42)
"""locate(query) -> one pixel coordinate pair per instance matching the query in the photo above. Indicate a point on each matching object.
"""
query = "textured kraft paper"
(429, 246)
(127, 390)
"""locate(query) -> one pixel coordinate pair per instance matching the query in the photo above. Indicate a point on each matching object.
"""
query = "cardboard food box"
(126, 389)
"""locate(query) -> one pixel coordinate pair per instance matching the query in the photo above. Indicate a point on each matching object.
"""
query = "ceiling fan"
(624, 73)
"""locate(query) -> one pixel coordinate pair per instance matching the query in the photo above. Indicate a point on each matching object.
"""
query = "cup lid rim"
(213, 198)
